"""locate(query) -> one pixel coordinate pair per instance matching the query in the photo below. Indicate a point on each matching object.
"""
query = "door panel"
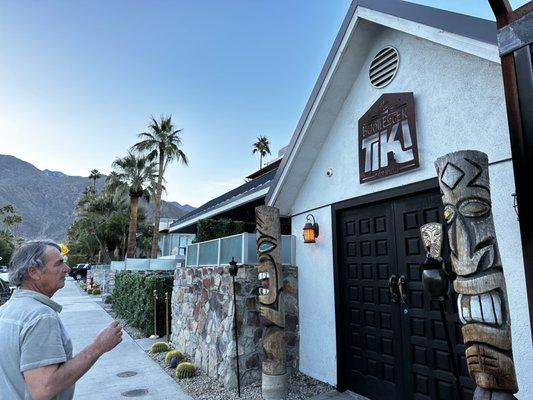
(428, 375)
(394, 350)
(368, 259)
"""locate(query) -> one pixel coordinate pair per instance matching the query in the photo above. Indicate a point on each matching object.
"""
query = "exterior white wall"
(459, 105)
(316, 299)
(508, 235)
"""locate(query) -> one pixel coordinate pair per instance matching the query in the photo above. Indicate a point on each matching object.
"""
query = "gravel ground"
(202, 387)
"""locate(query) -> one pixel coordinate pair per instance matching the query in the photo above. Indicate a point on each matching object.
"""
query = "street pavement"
(126, 371)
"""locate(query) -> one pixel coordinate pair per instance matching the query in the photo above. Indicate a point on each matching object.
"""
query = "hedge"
(133, 299)
(208, 229)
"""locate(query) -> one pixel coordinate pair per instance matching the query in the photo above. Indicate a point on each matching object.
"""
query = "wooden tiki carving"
(274, 382)
(480, 283)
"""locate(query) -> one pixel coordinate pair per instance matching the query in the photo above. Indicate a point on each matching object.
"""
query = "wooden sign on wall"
(387, 137)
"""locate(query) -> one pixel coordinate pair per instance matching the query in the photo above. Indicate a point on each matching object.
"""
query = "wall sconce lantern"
(310, 229)
(515, 205)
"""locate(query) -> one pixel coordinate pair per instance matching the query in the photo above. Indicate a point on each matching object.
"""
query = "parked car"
(79, 272)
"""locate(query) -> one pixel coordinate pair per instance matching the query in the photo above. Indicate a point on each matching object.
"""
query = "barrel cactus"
(185, 370)
(159, 347)
(173, 354)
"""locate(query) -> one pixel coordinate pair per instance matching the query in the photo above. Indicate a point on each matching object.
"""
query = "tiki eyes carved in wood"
(274, 380)
(480, 283)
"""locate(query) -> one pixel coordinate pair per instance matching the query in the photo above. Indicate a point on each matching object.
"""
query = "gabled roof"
(468, 34)
(243, 194)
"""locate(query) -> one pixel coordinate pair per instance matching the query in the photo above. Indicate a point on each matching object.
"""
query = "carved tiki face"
(432, 238)
(464, 182)
(269, 254)
(482, 301)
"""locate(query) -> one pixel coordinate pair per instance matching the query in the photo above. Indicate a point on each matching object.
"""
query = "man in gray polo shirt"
(35, 350)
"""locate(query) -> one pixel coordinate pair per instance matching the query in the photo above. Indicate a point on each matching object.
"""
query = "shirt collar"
(21, 293)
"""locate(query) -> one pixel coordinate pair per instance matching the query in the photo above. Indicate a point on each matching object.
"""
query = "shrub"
(159, 347)
(185, 370)
(208, 229)
(133, 299)
(89, 291)
(75, 259)
(97, 291)
(173, 354)
(108, 299)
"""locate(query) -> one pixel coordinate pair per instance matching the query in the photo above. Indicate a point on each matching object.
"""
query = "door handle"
(393, 287)
(402, 282)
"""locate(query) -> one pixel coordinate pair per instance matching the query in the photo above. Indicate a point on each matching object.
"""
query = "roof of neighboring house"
(269, 167)
(245, 193)
(455, 27)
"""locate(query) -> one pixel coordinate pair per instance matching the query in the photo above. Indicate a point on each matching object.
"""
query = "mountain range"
(46, 199)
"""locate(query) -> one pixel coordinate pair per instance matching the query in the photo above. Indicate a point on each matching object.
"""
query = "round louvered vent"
(383, 67)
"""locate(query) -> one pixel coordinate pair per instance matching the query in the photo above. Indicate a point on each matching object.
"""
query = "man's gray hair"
(29, 254)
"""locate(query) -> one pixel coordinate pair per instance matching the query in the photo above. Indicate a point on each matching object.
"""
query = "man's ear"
(34, 273)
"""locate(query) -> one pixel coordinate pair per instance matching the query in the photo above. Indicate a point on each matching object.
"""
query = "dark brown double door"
(392, 348)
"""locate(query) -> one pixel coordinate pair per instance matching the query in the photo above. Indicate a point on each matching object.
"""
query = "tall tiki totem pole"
(274, 378)
(480, 283)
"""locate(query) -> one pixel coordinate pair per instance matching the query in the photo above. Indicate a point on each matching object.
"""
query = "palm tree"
(262, 146)
(94, 175)
(134, 175)
(162, 142)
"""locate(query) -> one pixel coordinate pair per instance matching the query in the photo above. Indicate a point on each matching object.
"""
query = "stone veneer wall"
(202, 320)
(103, 277)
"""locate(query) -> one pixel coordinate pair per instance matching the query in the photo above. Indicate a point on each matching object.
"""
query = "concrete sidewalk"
(126, 371)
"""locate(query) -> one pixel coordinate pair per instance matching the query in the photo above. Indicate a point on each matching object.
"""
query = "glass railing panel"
(137, 264)
(192, 254)
(251, 249)
(287, 249)
(208, 253)
(163, 265)
(231, 246)
(117, 265)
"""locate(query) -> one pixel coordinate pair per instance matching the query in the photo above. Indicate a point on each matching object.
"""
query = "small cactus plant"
(171, 354)
(185, 370)
(159, 347)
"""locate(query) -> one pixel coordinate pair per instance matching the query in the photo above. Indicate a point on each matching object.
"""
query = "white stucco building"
(450, 63)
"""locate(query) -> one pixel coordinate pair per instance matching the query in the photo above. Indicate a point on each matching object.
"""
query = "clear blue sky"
(79, 79)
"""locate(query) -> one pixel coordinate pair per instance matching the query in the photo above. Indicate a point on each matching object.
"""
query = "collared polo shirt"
(31, 336)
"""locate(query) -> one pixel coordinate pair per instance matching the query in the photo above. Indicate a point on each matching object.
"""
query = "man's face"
(54, 273)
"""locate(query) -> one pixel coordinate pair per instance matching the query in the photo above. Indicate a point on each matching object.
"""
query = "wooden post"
(515, 37)
(274, 377)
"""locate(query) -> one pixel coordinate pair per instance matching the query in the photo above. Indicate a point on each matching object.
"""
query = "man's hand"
(108, 337)
(45, 382)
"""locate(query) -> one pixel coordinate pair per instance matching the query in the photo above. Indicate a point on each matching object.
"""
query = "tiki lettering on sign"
(274, 377)
(387, 138)
(482, 296)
